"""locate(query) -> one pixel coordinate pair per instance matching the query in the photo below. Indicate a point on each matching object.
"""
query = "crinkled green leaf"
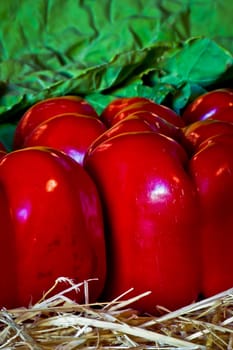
(162, 49)
(196, 65)
(199, 61)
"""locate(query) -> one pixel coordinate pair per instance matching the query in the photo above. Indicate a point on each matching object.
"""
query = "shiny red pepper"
(51, 226)
(69, 132)
(46, 109)
(211, 168)
(152, 216)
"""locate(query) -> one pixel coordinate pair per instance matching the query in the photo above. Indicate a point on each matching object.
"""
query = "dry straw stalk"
(56, 322)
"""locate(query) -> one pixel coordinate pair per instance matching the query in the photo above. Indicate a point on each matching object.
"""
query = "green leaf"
(191, 68)
(161, 49)
(199, 60)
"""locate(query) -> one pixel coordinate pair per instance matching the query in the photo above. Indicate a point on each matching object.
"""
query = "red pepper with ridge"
(71, 133)
(152, 214)
(46, 109)
(51, 226)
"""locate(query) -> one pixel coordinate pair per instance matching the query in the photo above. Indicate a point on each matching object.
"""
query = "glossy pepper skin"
(152, 217)
(143, 121)
(51, 226)
(196, 133)
(212, 170)
(121, 108)
(69, 132)
(216, 104)
(46, 109)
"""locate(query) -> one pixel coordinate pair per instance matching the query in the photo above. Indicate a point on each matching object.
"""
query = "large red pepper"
(51, 226)
(152, 216)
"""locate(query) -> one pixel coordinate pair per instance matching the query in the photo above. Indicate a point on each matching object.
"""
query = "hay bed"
(57, 322)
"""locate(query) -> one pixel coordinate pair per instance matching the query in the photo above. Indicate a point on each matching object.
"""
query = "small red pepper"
(46, 109)
(71, 133)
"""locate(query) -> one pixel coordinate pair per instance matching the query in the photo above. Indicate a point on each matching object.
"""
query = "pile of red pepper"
(137, 197)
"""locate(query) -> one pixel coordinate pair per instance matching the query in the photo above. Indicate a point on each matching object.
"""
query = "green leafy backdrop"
(168, 50)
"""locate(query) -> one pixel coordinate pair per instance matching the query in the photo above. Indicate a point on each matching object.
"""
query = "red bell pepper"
(216, 104)
(211, 168)
(121, 108)
(196, 133)
(46, 109)
(141, 121)
(69, 132)
(152, 216)
(51, 226)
